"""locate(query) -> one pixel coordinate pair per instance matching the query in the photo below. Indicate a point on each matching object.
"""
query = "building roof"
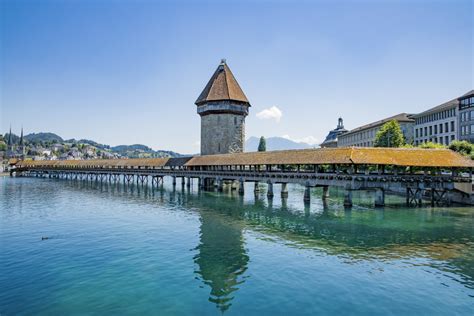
(222, 87)
(416, 157)
(402, 117)
(444, 106)
(467, 94)
(333, 134)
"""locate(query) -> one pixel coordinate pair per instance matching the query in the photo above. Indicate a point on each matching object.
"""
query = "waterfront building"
(331, 138)
(438, 124)
(223, 107)
(466, 116)
(364, 136)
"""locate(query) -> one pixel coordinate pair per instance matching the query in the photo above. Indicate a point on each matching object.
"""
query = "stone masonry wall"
(222, 134)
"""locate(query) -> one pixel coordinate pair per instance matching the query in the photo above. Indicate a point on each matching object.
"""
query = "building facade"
(466, 116)
(332, 137)
(364, 136)
(438, 124)
(223, 107)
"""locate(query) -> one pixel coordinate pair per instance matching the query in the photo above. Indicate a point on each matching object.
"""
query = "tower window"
(235, 120)
(219, 147)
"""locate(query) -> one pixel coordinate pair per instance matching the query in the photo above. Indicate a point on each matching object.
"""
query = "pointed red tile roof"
(222, 86)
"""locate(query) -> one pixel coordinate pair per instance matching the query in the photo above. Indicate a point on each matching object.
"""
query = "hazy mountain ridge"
(47, 139)
(275, 143)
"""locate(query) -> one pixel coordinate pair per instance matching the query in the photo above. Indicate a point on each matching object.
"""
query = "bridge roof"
(145, 162)
(416, 157)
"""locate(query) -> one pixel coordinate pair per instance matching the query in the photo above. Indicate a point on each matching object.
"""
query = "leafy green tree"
(389, 135)
(462, 147)
(262, 145)
(3, 146)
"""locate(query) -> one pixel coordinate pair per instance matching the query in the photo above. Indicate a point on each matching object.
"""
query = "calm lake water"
(115, 249)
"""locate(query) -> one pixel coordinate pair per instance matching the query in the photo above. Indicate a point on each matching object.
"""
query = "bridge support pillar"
(307, 194)
(174, 180)
(188, 182)
(183, 181)
(241, 187)
(201, 183)
(379, 197)
(220, 185)
(284, 190)
(256, 188)
(325, 192)
(348, 198)
(208, 183)
(270, 190)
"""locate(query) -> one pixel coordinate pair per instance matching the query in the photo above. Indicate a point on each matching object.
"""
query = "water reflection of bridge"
(222, 261)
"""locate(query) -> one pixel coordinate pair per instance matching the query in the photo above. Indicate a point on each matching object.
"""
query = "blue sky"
(123, 72)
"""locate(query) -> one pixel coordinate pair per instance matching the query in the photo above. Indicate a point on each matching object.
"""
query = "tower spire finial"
(21, 136)
(223, 61)
(10, 135)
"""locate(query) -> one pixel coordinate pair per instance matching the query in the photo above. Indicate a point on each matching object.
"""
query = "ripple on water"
(134, 250)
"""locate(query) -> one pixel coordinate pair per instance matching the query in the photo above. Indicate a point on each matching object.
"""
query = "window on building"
(472, 128)
(426, 131)
(446, 125)
(436, 129)
(440, 128)
(431, 130)
(446, 140)
(452, 126)
(452, 137)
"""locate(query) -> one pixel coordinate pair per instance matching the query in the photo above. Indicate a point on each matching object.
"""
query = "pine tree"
(389, 135)
(262, 145)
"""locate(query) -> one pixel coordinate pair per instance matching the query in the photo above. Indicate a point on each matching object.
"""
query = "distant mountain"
(15, 138)
(141, 151)
(131, 151)
(88, 142)
(123, 148)
(275, 143)
(43, 137)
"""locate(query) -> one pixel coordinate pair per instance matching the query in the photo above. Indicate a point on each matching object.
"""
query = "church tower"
(223, 107)
(22, 143)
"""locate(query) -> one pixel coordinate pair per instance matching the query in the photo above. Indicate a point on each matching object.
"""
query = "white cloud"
(272, 113)
(311, 140)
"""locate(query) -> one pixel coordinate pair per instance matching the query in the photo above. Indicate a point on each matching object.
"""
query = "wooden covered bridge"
(418, 173)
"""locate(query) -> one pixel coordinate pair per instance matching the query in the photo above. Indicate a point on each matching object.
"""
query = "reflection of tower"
(221, 259)
(223, 107)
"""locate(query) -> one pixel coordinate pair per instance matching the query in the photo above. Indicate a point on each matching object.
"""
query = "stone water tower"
(223, 107)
